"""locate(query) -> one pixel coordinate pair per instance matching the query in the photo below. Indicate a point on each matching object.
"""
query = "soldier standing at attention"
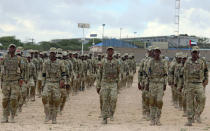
(157, 80)
(107, 88)
(195, 77)
(12, 80)
(54, 74)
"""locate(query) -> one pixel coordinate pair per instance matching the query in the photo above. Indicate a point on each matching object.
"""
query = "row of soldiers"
(52, 75)
(187, 76)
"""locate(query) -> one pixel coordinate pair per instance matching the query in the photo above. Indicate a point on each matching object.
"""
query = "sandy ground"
(81, 114)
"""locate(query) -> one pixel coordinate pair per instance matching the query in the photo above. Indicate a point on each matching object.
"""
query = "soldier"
(39, 73)
(23, 88)
(12, 79)
(108, 80)
(54, 74)
(131, 71)
(184, 58)
(196, 77)
(171, 79)
(156, 85)
(179, 80)
(30, 76)
(142, 81)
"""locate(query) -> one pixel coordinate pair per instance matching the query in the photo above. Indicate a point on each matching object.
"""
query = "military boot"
(54, 115)
(4, 119)
(152, 122)
(157, 122)
(198, 118)
(148, 116)
(12, 118)
(104, 121)
(189, 123)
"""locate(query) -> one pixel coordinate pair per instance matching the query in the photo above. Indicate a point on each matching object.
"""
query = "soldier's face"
(52, 55)
(12, 49)
(195, 54)
(110, 52)
(157, 53)
(179, 60)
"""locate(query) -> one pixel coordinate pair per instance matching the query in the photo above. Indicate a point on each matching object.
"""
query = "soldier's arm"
(205, 82)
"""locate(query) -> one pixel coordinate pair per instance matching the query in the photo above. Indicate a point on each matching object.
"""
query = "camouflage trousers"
(63, 98)
(130, 80)
(108, 95)
(51, 98)
(156, 99)
(11, 92)
(145, 102)
(23, 94)
(195, 98)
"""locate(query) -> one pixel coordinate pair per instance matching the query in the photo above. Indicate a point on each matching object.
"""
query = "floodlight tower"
(177, 15)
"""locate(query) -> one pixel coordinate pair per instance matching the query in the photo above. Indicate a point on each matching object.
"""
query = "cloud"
(50, 19)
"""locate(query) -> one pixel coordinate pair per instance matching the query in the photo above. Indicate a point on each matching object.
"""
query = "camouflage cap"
(179, 54)
(195, 48)
(52, 49)
(65, 53)
(11, 45)
(156, 48)
(59, 50)
(110, 47)
(150, 48)
(59, 55)
(184, 55)
(28, 55)
(126, 54)
(20, 48)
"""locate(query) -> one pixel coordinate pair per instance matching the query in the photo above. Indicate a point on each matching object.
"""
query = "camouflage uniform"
(53, 72)
(142, 80)
(157, 83)
(195, 75)
(179, 80)
(11, 74)
(108, 80)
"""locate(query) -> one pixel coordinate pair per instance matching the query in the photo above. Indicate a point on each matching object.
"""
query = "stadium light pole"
(134, 37)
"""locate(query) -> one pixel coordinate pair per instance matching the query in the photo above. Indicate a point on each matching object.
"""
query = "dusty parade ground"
(81, 113)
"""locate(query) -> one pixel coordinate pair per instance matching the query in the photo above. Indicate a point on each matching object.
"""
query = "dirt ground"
(82, 111)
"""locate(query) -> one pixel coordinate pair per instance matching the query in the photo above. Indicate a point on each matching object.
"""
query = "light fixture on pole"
(83, 26)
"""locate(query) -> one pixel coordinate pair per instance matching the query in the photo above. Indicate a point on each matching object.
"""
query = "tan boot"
(152, 122)
(54, 114)
(12, 118)
(189, 123)
(4, 119)
(104, 121)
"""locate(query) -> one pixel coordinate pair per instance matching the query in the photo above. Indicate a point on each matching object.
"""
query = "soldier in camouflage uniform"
(142, 81)
(131, 71)
(107, 88)
(196, 77)
(179, 80)
(23, 88)
(11, 83)
(184, 58)
(171, 79)
(156, 85)
(30, 75)
(54, 74)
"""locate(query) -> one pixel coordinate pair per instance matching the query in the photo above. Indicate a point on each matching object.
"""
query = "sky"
(44, 20)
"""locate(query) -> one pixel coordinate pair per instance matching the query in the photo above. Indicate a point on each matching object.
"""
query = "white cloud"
(51, 19)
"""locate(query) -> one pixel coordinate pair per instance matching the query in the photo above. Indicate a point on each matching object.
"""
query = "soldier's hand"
(98, 90)
(62, 84)
(139, 86)
(205, 83)
(20, 82)
(147, 87)
(164, 87)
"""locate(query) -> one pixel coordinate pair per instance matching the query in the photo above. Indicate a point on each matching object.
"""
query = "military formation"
(186, 74)
(56, 75)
